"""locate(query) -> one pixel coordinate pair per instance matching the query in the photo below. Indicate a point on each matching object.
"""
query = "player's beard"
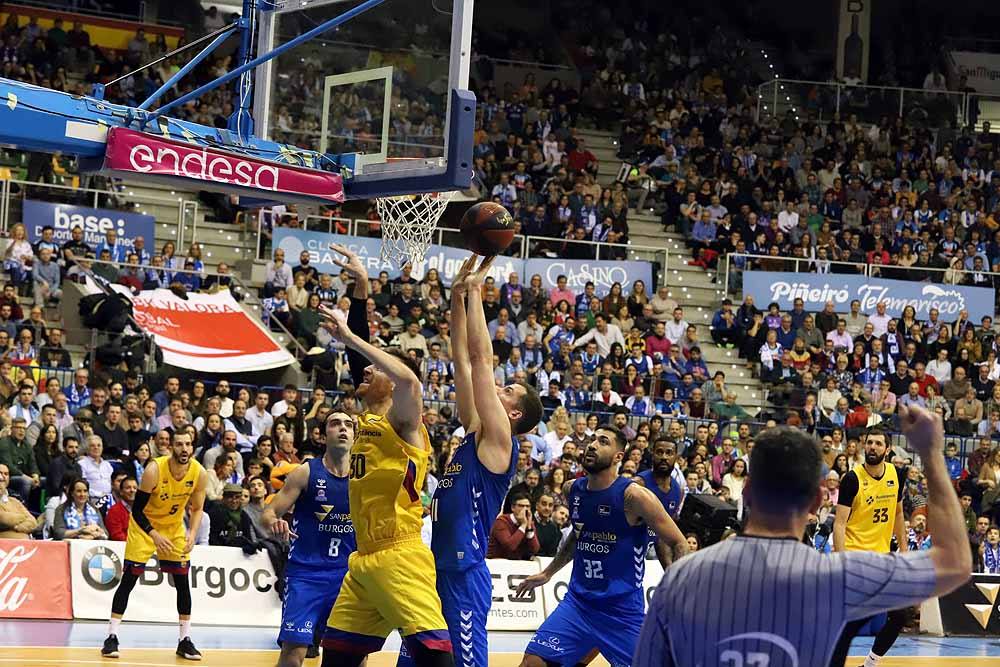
(182, 458)
(873, 459)
(596, 464)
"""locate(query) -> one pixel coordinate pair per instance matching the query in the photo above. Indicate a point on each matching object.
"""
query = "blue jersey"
(466, 503)
(610, 558)
(322, 521)
(671, 500)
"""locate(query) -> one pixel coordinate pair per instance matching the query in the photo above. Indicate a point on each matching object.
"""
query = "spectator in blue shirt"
(952, 461)
(117, 248)
(696, 366)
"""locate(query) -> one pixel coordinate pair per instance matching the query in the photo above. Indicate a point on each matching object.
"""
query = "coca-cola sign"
(147, 155)
(34, 580)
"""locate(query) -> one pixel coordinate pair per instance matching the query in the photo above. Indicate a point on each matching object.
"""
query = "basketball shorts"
(466, 597)
(139, 548)
(578, 626)
(308, 601)
(389, 589)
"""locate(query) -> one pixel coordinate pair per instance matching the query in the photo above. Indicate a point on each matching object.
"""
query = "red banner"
(142, 154)
(34, 580)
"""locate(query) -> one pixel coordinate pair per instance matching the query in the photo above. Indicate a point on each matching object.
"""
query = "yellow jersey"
(165, 509)
(873, 508)
(387, 474)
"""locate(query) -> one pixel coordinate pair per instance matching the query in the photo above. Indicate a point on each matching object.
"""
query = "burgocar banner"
(816, 289)
(227, 586)
(446, 259)
(579, 272)
(95, 223)
(34, 579)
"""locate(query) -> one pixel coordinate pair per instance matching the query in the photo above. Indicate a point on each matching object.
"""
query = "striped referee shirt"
(771, 602)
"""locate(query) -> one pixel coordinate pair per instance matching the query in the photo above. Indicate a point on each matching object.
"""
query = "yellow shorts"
(391, 589)
(139, 548)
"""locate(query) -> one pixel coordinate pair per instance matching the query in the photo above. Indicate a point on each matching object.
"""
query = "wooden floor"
(56, 657)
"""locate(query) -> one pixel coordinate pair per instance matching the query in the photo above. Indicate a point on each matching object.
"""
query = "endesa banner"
(134, 153)
(227, 586)
(447, 260)
(207, 332)
(816, 289)
(95, 223)
(34, 580)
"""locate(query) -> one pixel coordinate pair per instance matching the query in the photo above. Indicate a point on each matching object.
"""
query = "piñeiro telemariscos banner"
(815, 289)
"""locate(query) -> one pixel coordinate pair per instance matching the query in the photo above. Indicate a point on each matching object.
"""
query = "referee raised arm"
(779, 602)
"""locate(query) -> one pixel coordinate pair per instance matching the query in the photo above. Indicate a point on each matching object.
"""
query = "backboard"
(384, 91)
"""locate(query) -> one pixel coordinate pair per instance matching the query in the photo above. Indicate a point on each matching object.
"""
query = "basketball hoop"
(408, 223)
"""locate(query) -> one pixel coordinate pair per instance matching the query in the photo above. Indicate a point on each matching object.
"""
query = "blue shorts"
(577, 627)
(466, 597)
(308, 601)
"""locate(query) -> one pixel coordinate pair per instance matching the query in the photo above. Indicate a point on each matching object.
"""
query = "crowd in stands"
(894, 199)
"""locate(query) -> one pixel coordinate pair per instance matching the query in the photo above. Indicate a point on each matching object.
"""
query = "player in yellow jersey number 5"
(390, 582)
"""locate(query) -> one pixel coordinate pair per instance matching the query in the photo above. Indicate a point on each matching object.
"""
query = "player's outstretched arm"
(147, 486)
(357, 317)
(283, 502)
(642, 506)
(565, 554)
(407, 401)
(950, 551)
(494, 432)
(197, 505)
(460, 348)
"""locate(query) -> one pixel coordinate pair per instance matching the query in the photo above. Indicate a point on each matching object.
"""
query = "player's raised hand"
(479, 275)
(460, 283)
(530, 583)
(923, 429)
(351, 263)
(335, 321)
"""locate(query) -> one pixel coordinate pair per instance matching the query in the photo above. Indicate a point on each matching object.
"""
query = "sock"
(872, 660)
(113, 626)
(184, 628)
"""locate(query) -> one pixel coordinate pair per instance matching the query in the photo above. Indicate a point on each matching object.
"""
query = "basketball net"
(408, 224)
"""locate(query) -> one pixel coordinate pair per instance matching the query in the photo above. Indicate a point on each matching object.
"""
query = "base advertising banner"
(34, 580)
(971, 610)
(95, 223)
(508, 613)
(207, 332)
(227, 586)
(816, 289)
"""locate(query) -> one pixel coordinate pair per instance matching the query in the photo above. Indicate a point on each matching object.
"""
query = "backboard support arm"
(324, 27)
(190, 65)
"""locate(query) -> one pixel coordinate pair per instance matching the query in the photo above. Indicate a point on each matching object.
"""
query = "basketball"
(487, 229)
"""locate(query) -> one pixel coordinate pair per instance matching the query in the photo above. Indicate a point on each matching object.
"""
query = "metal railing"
(450, 236)
(775, 98)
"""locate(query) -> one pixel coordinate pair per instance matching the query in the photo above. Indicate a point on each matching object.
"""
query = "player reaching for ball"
(390, 582)
(156, 525)
(475, 481)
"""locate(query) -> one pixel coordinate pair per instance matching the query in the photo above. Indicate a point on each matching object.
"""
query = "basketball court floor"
(56, 643)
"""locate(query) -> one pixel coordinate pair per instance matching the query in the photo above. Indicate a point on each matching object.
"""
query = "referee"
(780, 603)
(869, 512)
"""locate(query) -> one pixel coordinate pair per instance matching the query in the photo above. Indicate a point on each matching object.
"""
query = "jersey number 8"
(334, 547)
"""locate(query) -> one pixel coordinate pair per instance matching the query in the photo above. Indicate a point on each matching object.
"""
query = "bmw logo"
(102, 568)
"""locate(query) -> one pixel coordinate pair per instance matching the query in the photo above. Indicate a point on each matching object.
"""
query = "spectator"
(16, 522)
(96, 470)
(549, 533)
(117, 519)
(230, 524)
(76, 518)
(19, 457)
(513, 535)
